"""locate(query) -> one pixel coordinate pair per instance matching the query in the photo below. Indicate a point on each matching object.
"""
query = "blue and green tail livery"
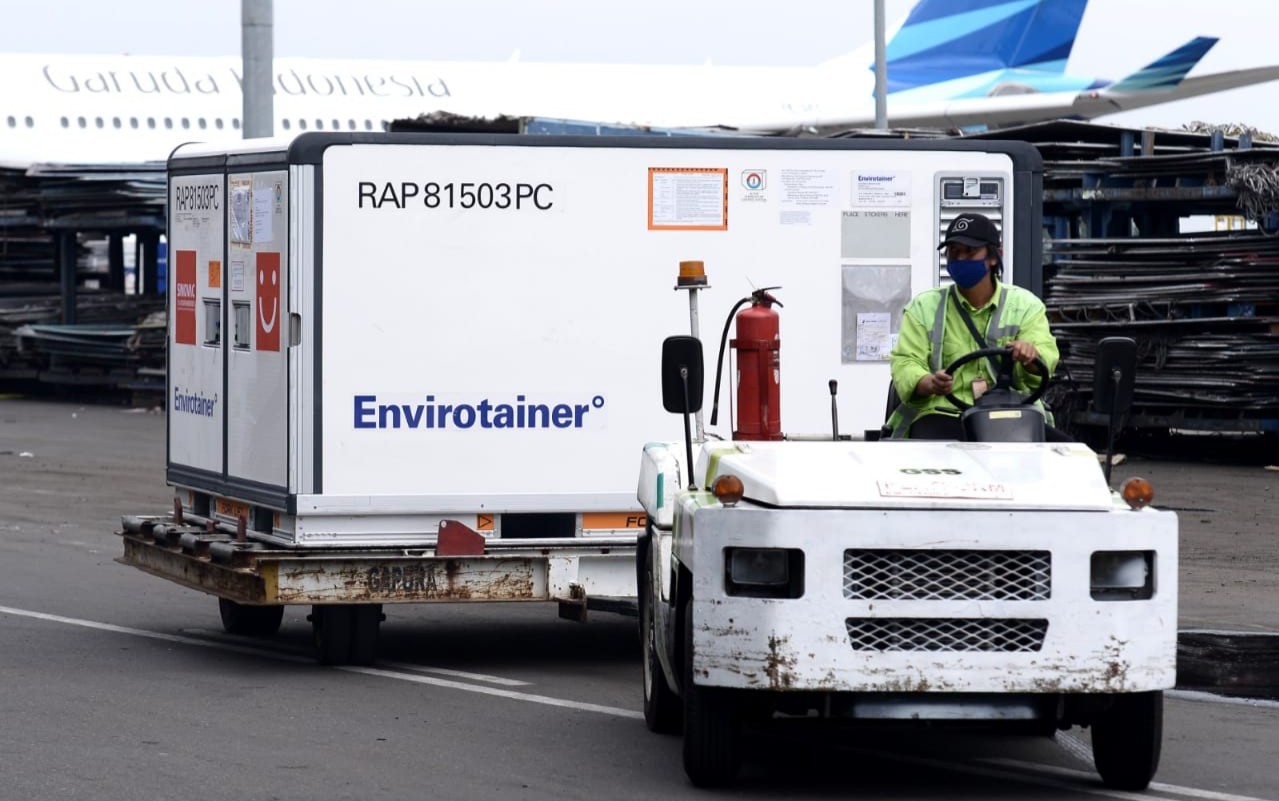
(958, 49)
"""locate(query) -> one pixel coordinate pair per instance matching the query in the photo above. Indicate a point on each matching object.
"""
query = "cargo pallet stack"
(66, 319)
(1171, 238)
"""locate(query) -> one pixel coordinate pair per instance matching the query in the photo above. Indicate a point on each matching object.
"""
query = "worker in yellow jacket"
(934, 334)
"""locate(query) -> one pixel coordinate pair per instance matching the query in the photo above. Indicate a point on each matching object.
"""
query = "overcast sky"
(1116, 37)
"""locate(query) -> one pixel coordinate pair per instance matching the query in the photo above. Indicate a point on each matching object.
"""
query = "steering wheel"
(1004, 380)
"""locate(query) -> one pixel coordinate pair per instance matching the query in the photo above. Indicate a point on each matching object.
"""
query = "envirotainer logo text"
(194, 402)
(521, 413)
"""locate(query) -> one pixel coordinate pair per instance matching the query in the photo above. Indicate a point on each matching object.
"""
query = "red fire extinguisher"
(759, 368)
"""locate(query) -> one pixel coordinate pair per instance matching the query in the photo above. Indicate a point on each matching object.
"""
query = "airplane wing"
(1168, 70)
(1162, 81)
(1193, 87)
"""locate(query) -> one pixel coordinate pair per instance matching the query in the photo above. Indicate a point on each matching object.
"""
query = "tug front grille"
(947, 575)
(946, 634)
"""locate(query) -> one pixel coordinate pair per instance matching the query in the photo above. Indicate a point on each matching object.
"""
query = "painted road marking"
(1007, 773)
(153, 635)
(282, 648)
(995, 768)
(1017, 770)
(533, 698)
(1160, 787)
(1074, 746)
(500, 693)
(1212, 698)
(274, 646)
(459, 674)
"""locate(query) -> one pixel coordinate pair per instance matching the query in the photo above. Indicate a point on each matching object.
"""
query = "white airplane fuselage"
(77, 108)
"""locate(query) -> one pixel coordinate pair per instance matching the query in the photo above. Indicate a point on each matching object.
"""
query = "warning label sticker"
(184, 295)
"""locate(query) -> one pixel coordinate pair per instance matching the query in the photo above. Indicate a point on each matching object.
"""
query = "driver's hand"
(1023, 351)
(938, 383)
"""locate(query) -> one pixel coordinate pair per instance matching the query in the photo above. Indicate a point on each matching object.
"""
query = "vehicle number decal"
(457, 195)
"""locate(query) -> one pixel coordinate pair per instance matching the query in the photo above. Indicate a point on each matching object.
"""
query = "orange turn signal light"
(728, 489)
(1138, 493)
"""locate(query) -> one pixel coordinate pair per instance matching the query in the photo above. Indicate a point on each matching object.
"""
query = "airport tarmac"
(75, 468)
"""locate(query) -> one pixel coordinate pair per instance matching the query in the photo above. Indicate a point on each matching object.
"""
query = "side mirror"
(1114, 375)
(683, 374)
(682, 379)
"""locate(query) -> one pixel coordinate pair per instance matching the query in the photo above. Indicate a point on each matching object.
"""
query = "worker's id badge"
(979, 387)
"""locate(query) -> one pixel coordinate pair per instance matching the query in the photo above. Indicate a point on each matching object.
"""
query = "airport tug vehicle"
(994, 580)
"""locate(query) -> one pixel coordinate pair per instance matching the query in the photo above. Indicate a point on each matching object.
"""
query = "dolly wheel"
(250, 621)
(331, 632)
(365, 621)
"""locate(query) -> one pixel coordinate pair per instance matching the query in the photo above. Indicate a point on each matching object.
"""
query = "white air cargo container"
(414, 367)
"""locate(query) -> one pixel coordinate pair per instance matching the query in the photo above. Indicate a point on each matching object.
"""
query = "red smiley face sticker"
(268, 301)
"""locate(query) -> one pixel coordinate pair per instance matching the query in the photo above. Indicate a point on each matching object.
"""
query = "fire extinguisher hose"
(719, 360)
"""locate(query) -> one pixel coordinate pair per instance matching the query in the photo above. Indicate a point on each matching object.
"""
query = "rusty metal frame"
(251, 573)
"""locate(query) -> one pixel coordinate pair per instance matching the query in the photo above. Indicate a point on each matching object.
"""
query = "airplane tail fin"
(1167, 71)
(943, 40)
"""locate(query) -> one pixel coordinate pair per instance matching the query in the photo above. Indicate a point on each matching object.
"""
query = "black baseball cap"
(973, 230)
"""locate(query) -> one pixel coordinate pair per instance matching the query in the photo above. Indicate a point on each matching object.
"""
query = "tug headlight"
(1123, 575)
(764, 572)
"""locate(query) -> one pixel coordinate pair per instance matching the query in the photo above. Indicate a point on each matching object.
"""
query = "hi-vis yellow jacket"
(933, 335)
